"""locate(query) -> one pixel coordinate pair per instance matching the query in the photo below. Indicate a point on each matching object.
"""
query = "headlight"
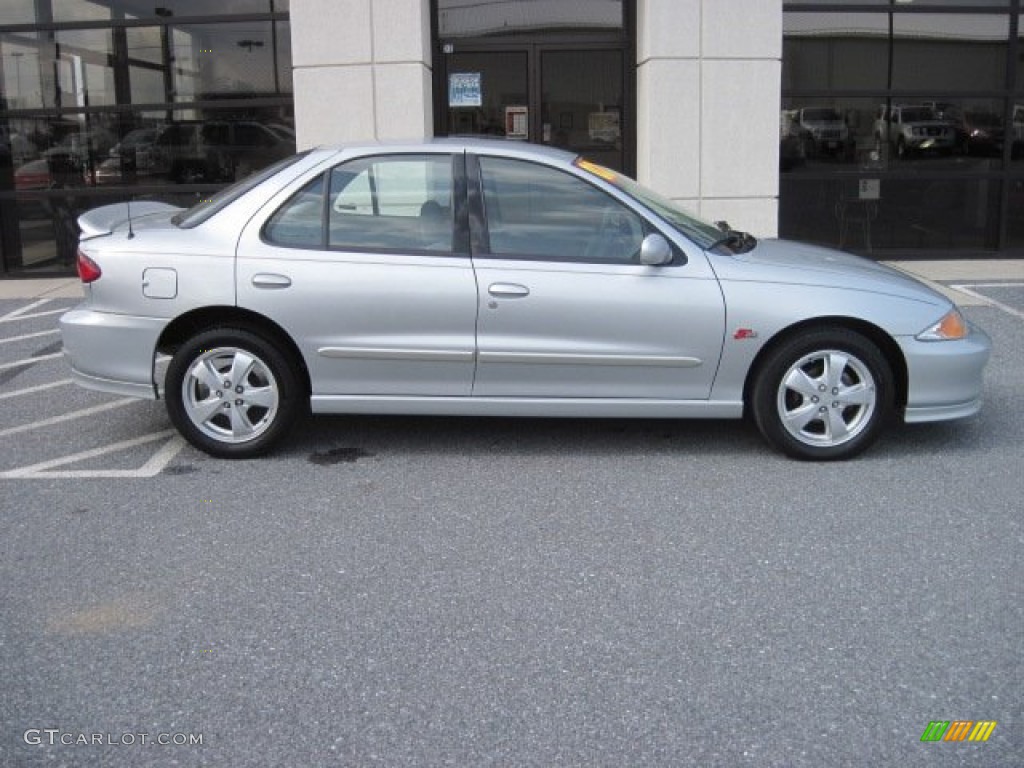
(951, 326)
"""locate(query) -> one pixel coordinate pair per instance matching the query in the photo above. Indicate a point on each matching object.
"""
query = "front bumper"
(945, 378)
(112, 353)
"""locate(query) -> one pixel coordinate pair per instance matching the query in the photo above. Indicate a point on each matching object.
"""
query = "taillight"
(88, 269)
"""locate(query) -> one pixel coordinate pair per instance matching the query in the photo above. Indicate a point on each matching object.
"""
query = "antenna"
(129, 204)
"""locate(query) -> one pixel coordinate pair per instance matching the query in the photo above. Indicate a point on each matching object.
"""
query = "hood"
(144, 214)
(784, 261)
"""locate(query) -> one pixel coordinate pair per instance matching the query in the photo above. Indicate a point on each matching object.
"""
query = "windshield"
(701, 232)
(197, 214)
(828, 115)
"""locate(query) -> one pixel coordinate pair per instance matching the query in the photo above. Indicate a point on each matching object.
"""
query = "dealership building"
(893, 128)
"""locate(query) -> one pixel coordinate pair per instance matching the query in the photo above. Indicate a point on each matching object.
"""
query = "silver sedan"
(494, 278)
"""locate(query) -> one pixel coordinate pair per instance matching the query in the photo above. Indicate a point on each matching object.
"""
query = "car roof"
(506, 147)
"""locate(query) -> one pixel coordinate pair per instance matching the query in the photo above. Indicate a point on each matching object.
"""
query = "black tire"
(257, 407)
(823, 395)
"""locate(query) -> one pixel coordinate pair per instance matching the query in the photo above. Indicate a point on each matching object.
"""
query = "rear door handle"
(268, 280)
(508, 290)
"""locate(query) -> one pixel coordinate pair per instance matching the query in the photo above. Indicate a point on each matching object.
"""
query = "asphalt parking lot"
(413, 591)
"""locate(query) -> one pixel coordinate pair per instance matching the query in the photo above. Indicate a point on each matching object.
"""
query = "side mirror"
(655, 250)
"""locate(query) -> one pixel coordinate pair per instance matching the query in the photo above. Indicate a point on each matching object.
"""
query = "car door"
(566, 309)
(362, 267)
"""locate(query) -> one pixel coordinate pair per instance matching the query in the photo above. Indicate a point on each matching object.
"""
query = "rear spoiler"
(107, 218)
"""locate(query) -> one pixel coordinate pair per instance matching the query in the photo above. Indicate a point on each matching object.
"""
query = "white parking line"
(35, 335)
(988, 299)
(70, 416)
(18, 312)
(9, 319)
(30, 361)
(151, 468)
(40, 388)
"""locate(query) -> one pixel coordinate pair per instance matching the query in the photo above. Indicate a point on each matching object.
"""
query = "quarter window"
(534, 211)
(299, 223)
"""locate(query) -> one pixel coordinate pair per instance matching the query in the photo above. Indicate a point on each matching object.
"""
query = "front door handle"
(269, 280)
(508, 290)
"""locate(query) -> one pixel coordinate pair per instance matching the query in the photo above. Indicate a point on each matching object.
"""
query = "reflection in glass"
(917, 214)
(472, 18)
(63, 149)
(219, 149)
(947, 52)
(146, 70)
(836, 51)
(1015, 214)
(26, 63)
(17, 12)
(581, 106)
(99, 10)
(84, 65)
(214, 60)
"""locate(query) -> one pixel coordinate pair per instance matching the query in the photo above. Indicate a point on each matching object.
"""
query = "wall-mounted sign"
(465, 89)
(603, 126)
(517, 122)
(869, 189)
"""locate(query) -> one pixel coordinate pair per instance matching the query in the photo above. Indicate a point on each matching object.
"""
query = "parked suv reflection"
(195, 152)
(914, 128)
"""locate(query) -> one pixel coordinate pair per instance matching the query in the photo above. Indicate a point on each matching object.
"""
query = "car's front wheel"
(823, 395)
(231, 393)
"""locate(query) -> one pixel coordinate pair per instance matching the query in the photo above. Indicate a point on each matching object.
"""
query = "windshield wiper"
(739, 242)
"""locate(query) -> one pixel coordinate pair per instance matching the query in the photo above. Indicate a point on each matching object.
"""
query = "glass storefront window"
(950, 52)
(1017, 133)
(838, 2)
(84, 66)
(898, 3)
(920, 166)
(17, 12)
(840, 51)
(61, 11)
(1015, 214)
(212, 60)
(26, 59)
(105, 10)
(105, 111)
(471, 18)
(885, 213)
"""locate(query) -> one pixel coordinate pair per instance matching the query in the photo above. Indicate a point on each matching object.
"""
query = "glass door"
(581, 103)
(488, 94)
(569, 97)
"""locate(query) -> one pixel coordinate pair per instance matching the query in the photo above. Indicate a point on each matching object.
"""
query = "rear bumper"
(945, 378)
(112, 353)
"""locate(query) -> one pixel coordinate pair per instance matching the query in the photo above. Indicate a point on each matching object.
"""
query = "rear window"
(197, 214)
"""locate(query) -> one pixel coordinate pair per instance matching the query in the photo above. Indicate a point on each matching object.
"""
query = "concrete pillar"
(362, 70)
(708, 93)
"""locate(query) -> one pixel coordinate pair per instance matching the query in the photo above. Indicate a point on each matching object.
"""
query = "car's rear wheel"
(231, 393)
(823, 395)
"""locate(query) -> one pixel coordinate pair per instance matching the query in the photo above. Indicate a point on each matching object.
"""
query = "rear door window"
(397, 203)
